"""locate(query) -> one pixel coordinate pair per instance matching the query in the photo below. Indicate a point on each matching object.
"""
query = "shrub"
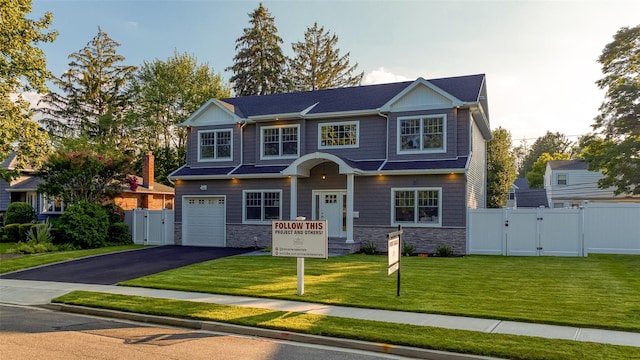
(408, 249)
(12, 232)
(40, 233)
(444, 250)
(19, 213)
(119, 234)
(24, 230)
(369, 248)
(31, 247)
(84, 225)
(114, 212)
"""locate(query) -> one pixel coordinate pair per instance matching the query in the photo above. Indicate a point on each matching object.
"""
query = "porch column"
(350, 196)
(293, 209)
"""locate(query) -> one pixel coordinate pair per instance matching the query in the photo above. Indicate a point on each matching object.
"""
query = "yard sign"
(300, 239)
(393, 249)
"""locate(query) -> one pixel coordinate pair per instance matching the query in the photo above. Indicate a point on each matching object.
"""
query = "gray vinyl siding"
(372, 139)
(251, 143)
(462, 130)
(192, 146)
(373, 197)
(452, 137)
(5, 196)
(476, 173)
(232, 189)
(276, 161)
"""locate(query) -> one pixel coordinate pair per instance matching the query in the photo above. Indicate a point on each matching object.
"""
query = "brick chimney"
(147, 170)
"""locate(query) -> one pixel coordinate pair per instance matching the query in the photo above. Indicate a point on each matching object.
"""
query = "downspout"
(242, 124)
(386, 156)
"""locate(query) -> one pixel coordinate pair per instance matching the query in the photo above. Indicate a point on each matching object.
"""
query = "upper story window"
(338, 135)
(422, 133)
(417, 206)
(280, 141)
(562, 179)
(215, 145)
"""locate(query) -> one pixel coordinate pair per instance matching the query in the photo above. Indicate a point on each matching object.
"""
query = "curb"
(390, 349)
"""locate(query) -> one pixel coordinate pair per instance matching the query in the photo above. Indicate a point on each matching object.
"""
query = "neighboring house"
(521, 196)
(569, 183)
(147, 194)
(25, 189)
(365, 158)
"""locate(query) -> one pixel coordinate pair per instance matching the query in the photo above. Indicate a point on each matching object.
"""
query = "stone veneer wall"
(424, 240)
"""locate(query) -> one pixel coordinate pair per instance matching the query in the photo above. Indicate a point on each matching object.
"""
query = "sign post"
(300, 239)
(394, 241)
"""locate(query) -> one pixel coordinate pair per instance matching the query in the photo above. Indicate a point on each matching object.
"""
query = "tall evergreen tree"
(318, 64)
(22, 69)
(615, 147)
(501, 169)
(166, 94)
(94, 102)
(259, 65)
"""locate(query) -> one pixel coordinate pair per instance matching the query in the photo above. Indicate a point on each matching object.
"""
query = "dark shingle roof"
(568, 165)
(458, 163)
(368, 97)
(189, 171)
(529, 198)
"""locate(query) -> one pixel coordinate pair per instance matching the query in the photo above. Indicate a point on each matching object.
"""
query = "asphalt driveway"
(109, 269)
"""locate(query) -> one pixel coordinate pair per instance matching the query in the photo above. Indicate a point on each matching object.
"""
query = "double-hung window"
(280, 141)
(338, 135)
(417, 206)
(562, 179)
(215, 145)
(425, 133)
(52, 204)
(261, 206)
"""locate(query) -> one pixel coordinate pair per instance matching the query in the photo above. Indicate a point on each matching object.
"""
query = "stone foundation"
(424, 240)
(248, 236)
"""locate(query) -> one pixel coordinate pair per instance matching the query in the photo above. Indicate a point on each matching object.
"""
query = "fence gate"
(150, 227)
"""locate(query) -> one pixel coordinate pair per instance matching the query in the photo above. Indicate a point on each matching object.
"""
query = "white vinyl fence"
(150, 227)
(595, 228)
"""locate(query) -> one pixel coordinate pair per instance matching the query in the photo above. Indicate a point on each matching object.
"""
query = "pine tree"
(318, 64)
(94, 103)
(259, 65)
(22, 69)
(501, 169)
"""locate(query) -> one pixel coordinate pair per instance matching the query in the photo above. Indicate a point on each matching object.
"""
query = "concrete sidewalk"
(26, 292)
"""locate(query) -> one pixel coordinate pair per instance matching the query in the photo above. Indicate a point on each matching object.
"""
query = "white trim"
(400, 151)
(44, 202)
(215, 158)
(420, 81)
(415, 222)
(226, 108)
(340, 123)
(261, 191)
(279, 156)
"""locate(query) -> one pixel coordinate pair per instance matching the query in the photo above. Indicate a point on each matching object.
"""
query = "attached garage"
(203, 221)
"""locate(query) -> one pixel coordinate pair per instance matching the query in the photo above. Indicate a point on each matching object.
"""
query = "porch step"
(339, 246)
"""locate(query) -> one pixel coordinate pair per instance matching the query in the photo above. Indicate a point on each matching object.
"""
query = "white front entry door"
(330, 206)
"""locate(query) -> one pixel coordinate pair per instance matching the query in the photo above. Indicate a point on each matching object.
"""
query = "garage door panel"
(204, 221)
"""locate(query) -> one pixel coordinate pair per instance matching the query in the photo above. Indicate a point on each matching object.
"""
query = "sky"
(539, 57)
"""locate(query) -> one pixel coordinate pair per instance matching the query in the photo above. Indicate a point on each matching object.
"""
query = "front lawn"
(600, 291)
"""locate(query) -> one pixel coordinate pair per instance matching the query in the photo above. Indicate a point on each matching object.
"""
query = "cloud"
(380, 76)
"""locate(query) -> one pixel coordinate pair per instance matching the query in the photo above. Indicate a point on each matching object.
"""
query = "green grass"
(27, 261)
(5, 247)
(499, 345)
(600, 291)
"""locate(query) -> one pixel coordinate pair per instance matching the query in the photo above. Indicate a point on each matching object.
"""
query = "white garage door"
(203, 221)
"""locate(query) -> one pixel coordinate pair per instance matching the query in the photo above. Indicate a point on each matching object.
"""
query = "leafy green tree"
(549, 143)
(22, 69)
(535, 177)
(259, 66)
(84, 175)
(501, 169)
(83, 224)
(94, 104)
(318, 64)
(166, 93)
(614, 148)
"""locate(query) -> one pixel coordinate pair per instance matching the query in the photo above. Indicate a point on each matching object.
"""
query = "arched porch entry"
(301, 168)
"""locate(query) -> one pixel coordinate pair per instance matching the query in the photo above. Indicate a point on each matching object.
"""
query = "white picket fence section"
(150, 227)
(596, 228)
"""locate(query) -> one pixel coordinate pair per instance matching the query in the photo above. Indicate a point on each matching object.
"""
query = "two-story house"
(365, 158)
(569, 183)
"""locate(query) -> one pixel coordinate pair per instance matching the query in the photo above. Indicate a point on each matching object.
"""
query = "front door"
(331, 206)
